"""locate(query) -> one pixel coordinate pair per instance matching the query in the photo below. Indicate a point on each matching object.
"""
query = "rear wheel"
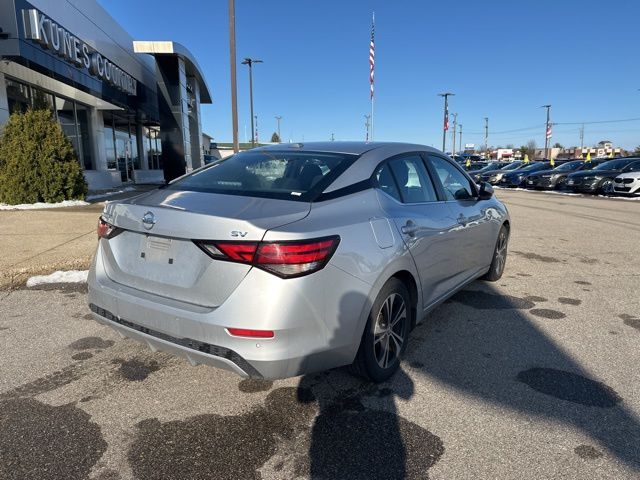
(386, 334)
(499, 256)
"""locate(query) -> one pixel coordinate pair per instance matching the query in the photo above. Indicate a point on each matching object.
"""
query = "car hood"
(594, 173)
(629, 175)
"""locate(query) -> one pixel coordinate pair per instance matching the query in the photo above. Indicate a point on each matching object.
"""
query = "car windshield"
(613, 164)
(568, 166)
(491, 166)
(534, 166)
(271, 174)
(512, 166)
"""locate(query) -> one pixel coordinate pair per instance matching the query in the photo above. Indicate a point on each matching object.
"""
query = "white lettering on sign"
(50, 35)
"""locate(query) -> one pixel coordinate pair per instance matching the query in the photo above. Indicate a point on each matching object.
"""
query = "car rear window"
(283, 175)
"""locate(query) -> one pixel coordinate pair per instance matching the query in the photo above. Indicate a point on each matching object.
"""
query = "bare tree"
(531, 149)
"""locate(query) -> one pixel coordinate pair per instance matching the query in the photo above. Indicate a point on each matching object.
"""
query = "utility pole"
(581, 139)
(250, 62)
(461, 147)
(445, 126)
(332, 137)
(455, 124)
(256, 138)
(278, 118)
(234, 88)
(486, 136)
(367, 124)
(546, 133)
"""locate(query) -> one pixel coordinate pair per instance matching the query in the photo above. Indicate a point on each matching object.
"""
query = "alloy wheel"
(390, 330)
(501, 252)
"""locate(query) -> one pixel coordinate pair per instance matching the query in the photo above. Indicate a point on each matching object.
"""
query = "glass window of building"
(84, 132)
(67, 119)
(18, 96)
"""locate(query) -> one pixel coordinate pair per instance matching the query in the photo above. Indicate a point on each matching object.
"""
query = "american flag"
(549, 131)
(446, 119)
(372, 55)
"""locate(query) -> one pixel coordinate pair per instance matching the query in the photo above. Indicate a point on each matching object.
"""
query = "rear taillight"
(247, 333)
(284, 259)
(106, 230)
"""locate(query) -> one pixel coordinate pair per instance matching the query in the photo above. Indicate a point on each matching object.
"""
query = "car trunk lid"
(159, 256)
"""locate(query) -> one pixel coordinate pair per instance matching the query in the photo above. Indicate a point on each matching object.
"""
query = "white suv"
(627, 183)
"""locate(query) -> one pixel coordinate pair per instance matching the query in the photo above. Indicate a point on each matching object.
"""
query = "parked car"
(517, 177)
(628, 183)
(600, 178)
(494, 176)
(288, 259)
(475, 174)
(557, 177)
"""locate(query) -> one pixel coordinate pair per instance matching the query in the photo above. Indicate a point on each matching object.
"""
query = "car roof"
(354, 148)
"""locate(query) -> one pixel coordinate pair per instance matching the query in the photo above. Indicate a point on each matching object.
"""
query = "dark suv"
(600, 178)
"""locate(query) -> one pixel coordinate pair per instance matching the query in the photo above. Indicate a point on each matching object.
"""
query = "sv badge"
(238, 233)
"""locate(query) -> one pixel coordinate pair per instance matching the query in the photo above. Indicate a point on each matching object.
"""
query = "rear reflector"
(243, 332)
(284, 259)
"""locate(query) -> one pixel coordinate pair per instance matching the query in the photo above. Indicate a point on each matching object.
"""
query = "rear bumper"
(315, 328)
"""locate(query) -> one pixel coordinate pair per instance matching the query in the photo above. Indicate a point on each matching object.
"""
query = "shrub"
(37, 161)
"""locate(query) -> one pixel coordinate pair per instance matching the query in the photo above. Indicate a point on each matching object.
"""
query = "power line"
(599, 121)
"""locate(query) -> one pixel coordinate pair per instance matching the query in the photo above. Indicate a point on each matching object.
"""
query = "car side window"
(386, 183)
(633, 167)
(410, 180)
(455, 185)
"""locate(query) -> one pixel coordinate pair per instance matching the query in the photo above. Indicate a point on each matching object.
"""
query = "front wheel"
(386, 334)
(606, 186)
(499, 256)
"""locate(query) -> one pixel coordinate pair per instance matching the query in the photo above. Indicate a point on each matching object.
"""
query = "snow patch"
(40, 205)
(69, 276)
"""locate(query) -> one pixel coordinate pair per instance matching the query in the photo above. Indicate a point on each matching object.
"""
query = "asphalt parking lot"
(535, 376)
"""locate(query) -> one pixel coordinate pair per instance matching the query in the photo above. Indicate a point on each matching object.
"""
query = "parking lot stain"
(535, 256)
(630, 320)
(46, 383)
(87, 343)
(39, 441)
(227, 447)
(251, 385)
(524, 275)
(3, 328)
(488, 301)
(570, 387)
(136, 370)
(547, 313)
(587, 452)
(569, 301)
(82, 356)
(344, 441)
(535, 298)
(582, 282)
(416, 364)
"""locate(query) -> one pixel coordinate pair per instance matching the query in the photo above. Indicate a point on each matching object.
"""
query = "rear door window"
(406, 179)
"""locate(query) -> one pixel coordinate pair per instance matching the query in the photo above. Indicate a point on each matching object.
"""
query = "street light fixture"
(546, 133)
(250, 62)
(445, 126)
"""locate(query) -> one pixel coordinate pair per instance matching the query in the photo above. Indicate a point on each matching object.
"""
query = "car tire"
(606, 187)
(499, 259)
(386, 334)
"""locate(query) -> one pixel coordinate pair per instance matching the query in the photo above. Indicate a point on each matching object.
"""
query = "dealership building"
(130, 108)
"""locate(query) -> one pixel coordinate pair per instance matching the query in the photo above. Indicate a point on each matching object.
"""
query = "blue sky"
(502, 59)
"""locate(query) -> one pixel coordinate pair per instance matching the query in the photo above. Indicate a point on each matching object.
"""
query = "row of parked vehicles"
(617, 176)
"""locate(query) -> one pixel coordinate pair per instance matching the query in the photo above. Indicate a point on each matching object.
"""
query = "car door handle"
(409, 229)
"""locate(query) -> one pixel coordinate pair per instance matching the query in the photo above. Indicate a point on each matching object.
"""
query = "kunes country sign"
(52, 36)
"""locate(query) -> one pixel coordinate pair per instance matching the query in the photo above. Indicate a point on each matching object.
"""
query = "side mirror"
(485, 191)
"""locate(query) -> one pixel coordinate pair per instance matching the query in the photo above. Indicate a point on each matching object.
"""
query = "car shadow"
(483, 344)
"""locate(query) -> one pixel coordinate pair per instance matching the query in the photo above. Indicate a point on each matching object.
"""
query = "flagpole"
(373, 24)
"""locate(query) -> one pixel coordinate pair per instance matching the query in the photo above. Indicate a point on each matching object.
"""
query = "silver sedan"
(294, 258)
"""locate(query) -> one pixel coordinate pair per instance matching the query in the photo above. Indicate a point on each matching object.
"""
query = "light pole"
(234, 87)
(257, 140)
(445, 126)
(486, 135)
(367, 124)
(278, 118)
(547, 133)
(250, 62)
(455, 124)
